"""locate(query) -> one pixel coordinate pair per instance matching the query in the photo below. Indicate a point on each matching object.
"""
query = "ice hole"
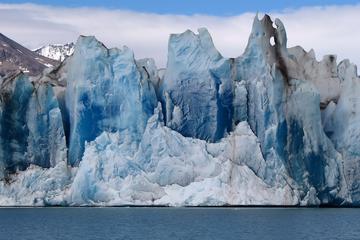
(272, 41)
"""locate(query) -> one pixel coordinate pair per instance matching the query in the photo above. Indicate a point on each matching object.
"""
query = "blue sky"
(328, 27)
(189, 7)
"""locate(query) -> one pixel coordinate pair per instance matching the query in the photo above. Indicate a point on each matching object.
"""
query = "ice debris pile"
(271, 127)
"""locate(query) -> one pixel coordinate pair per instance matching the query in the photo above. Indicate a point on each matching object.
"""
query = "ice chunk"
(15, 95)
(31, 130)
(46, 141)
(310, 152)
(240, 102)
(198, 82)
(344, 123)
(170, 169)
(37, 186)
(105, 92)
(285, 114)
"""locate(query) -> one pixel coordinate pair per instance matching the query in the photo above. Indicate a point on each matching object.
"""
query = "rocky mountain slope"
(15, 58)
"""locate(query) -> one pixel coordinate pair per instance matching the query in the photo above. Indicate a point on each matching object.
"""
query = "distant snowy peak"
(56, 51)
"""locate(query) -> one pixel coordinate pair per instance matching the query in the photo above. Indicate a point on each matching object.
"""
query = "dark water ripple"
(178, 223)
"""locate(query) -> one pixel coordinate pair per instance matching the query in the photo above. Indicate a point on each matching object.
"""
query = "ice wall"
(284, 112)
(197, 87)
(105, 92)
(31, 130)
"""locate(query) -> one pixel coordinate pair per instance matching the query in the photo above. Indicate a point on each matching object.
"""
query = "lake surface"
(179, 223)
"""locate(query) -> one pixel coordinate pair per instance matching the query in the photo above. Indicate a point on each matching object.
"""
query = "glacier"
(197, 87)
(274, 126)
(31, 126)
(105, 92)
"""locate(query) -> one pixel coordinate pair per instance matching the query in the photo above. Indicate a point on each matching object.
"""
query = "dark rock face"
(15, 58)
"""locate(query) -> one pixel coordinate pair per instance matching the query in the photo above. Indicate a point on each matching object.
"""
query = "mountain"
(57, 52)
(15, 58)
(273, 126)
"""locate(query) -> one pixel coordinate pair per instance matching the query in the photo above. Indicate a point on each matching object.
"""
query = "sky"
(329, 27)
(189, 7)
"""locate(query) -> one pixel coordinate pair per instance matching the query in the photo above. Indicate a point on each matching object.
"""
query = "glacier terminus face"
(273, 126)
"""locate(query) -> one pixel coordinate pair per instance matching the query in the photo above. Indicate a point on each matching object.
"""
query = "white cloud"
(332, 29)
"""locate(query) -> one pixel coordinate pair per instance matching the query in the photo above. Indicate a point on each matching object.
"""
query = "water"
(179, 223)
